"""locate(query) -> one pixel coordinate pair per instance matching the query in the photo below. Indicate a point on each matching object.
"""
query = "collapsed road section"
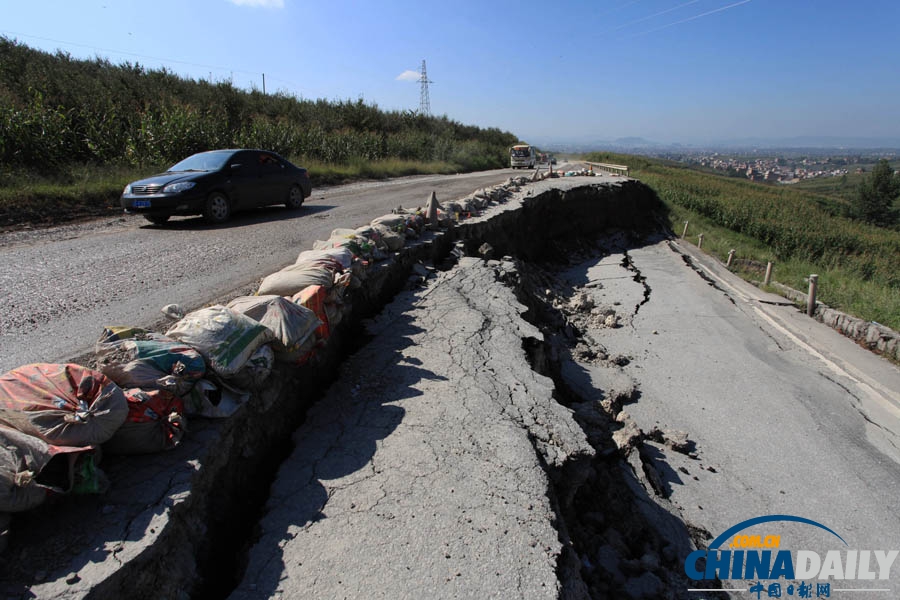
(447, 456)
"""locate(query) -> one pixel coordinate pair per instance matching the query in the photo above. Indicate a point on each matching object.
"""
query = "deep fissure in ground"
(618, 541)
(616, 536)
(614, 521)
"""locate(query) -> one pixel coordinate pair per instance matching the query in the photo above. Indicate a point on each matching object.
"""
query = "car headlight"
(177, 188)
(127, 189)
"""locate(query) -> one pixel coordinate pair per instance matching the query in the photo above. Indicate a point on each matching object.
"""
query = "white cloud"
(259, 3)
(409, 76)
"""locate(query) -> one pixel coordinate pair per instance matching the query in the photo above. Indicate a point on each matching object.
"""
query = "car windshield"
(205, 161)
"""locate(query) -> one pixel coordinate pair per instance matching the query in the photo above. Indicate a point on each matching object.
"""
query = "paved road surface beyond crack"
(422, 472)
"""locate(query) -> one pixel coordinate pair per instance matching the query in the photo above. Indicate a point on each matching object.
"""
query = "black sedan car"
(216, 184)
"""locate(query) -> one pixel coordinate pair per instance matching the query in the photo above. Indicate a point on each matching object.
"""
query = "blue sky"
(687, 71)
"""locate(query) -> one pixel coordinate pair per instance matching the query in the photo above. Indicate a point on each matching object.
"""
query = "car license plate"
(142, 204)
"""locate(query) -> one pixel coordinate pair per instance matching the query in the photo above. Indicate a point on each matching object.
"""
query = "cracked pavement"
(789, 417)
(422, 471)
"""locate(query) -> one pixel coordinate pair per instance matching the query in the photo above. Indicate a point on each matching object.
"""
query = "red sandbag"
(62, 404)
(155, 422)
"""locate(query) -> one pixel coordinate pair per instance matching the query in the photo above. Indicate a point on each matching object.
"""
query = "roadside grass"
(322, 173)
(35, 198)
(837, 287)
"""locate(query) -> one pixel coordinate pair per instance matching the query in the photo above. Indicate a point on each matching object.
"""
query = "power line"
(694, 18)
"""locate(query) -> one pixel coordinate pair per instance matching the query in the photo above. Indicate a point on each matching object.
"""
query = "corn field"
(57, 111)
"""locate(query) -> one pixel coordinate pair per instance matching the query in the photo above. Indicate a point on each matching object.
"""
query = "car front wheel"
(295, 197)
(217, 209)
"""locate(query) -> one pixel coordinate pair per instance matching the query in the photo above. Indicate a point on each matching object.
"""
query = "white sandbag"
(392, 239)
(225, 338)
(392, 221)
(254, 373)
(291, 324)
(294, 278)
(341, 255)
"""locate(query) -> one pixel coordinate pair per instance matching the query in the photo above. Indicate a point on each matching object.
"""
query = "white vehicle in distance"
(522, 156)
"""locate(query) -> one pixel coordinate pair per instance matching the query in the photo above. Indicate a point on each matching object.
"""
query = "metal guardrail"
(615, 169)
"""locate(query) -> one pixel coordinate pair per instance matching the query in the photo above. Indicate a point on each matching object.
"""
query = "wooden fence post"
(730, 257)
(684, 233)
(700, 241)
(811, 299)
(768, 278)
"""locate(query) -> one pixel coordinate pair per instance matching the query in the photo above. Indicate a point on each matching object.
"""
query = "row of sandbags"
(143, 386)
(139, 392)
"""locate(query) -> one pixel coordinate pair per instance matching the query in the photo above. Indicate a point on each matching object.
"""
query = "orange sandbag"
(313, 298)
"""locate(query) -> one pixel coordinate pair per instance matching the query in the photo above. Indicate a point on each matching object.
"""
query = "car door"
(243, 175)
(274, 179)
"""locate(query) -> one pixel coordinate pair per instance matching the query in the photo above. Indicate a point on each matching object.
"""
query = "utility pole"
(424, 100)
(264, 84)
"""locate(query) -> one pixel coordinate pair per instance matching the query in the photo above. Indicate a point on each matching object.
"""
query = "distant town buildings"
(770, 169)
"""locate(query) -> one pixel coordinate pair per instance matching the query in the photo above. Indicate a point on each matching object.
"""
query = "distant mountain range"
(587, 143)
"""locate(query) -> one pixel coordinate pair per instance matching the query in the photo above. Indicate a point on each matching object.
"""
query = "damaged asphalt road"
(422, 471)
(441, 463)
(761, 422)
(568, 421)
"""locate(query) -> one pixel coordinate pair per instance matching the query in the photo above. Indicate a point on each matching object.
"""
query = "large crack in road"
(629, 541)
(458, 447)
(573, 502)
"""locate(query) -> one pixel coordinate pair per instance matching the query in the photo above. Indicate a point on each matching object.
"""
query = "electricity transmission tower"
(424, 100)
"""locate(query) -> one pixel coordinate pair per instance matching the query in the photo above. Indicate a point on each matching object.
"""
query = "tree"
(874, 201)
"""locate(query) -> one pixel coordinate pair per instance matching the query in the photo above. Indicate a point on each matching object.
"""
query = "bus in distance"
(522, 156)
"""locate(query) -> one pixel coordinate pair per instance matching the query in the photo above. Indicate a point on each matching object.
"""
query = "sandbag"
(454, 209)
(225, 338)
(155, 422)
(253, 375)
(342, 255)
(31, 469)
(314, 298)
(137, 358)
(392, 221)
(392, 239)
(206, 399)
(358, 245)
(294, 278)
(292, 324)
(373, 236)
(62, 404)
